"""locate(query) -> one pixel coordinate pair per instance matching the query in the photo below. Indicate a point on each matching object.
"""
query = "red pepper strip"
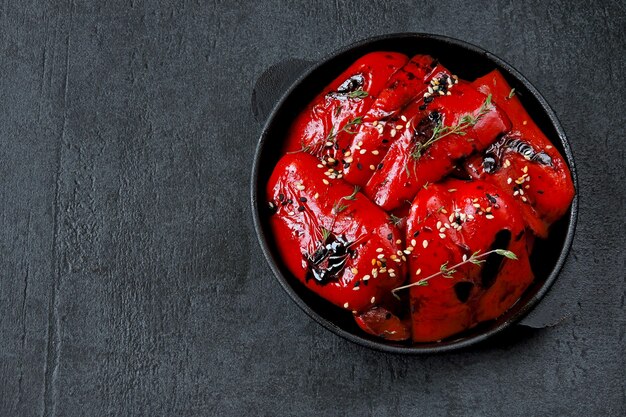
(325, 118)
(330, 237)
(385, 118)
(403, 174)
(378, 321)
(450, 220)
(524, 163)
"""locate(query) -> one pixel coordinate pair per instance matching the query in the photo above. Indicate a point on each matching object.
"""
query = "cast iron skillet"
(468, 62)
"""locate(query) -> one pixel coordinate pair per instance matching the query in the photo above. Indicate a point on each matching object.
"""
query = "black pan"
(300, 81)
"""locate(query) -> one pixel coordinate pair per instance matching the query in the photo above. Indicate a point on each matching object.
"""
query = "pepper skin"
(450, 220)
(387, 113)
(402, 175)
(329, 236)
(539, 177)
(330, 112)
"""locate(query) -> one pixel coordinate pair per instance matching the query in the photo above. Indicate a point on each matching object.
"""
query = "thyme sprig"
(338, 207)
(448, 272)
(303, 148)
(332, 135)
(511, 94)
(360, 93)
(395, 220)
(325, 233)
(440, 131)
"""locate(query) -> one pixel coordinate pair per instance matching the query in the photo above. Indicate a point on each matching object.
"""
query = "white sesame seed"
(413, 242)
(419, 271)
(381, 256)
(372, 167)
(345, 305)
(320, 166)
(489, 216)
(404, 258)
(403, 118)
(379, 250)
(425, 243)
(398, 242)
(442, 229)
(524, 199)
(375, 152)
(438, 225)
(446, 225)
(464, 257)
(325, 181)
(441, 235)
(316, 195)
(373, 300)
(549, 147)
(349, 160)
(406, 252)
(393, 133)
(362, 151)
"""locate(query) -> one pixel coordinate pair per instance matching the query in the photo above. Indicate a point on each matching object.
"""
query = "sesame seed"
(329, 143)
(464, 257)
(488, 209)
(446, 225)
(325, 181)
(549, 147)
(403, 118)
(349, 159)
(476, 205)
(345, 305)
(515, 193)
(451, 190)
(425, 243)
(316, 195)
(525, 169)
(406, 252)
(373, 300)
(372, 167)
(393, 133)
(381, 256)
(470, 216)
(362, 151)
(375, 152)
(419, 271)
(489, 216)
(413, 242)
(392, 275)
(441, 235)
(509, 180)
(291, 213)
(379, 250)
(438, 225)
(442, 229)
(320, 166)
(444, 211)
(354, 271)
(399, 242)
(393, 257)
(404, 258)
(524, 199)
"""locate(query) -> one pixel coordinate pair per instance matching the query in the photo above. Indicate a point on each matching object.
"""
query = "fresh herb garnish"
(511, 94)
(325, 233)
(303, 148)
(395, 220)
(440, 131)
(360, 93)
(448, 272)
(332, 135)
(338, 207)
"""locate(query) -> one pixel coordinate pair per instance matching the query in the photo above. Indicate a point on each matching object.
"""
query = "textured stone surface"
(131, 282)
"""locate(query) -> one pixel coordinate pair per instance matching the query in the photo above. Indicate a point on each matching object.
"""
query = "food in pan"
(412, 198)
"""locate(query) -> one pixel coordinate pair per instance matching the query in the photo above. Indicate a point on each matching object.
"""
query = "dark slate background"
(131, 281)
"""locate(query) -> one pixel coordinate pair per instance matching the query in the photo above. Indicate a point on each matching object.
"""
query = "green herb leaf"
(506, 253)
(511, 94)
(360, 93)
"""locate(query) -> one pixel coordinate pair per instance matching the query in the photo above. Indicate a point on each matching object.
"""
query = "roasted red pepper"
(332, 238)
(326, 125)
(454, 222)
(447, 128)
(523, 162)
(383, 120)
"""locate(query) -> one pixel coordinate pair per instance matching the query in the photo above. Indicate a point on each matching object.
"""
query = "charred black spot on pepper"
(492, 264)
(463, 290)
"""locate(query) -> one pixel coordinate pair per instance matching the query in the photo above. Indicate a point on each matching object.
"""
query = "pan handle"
(272, 84)
(560, 302)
